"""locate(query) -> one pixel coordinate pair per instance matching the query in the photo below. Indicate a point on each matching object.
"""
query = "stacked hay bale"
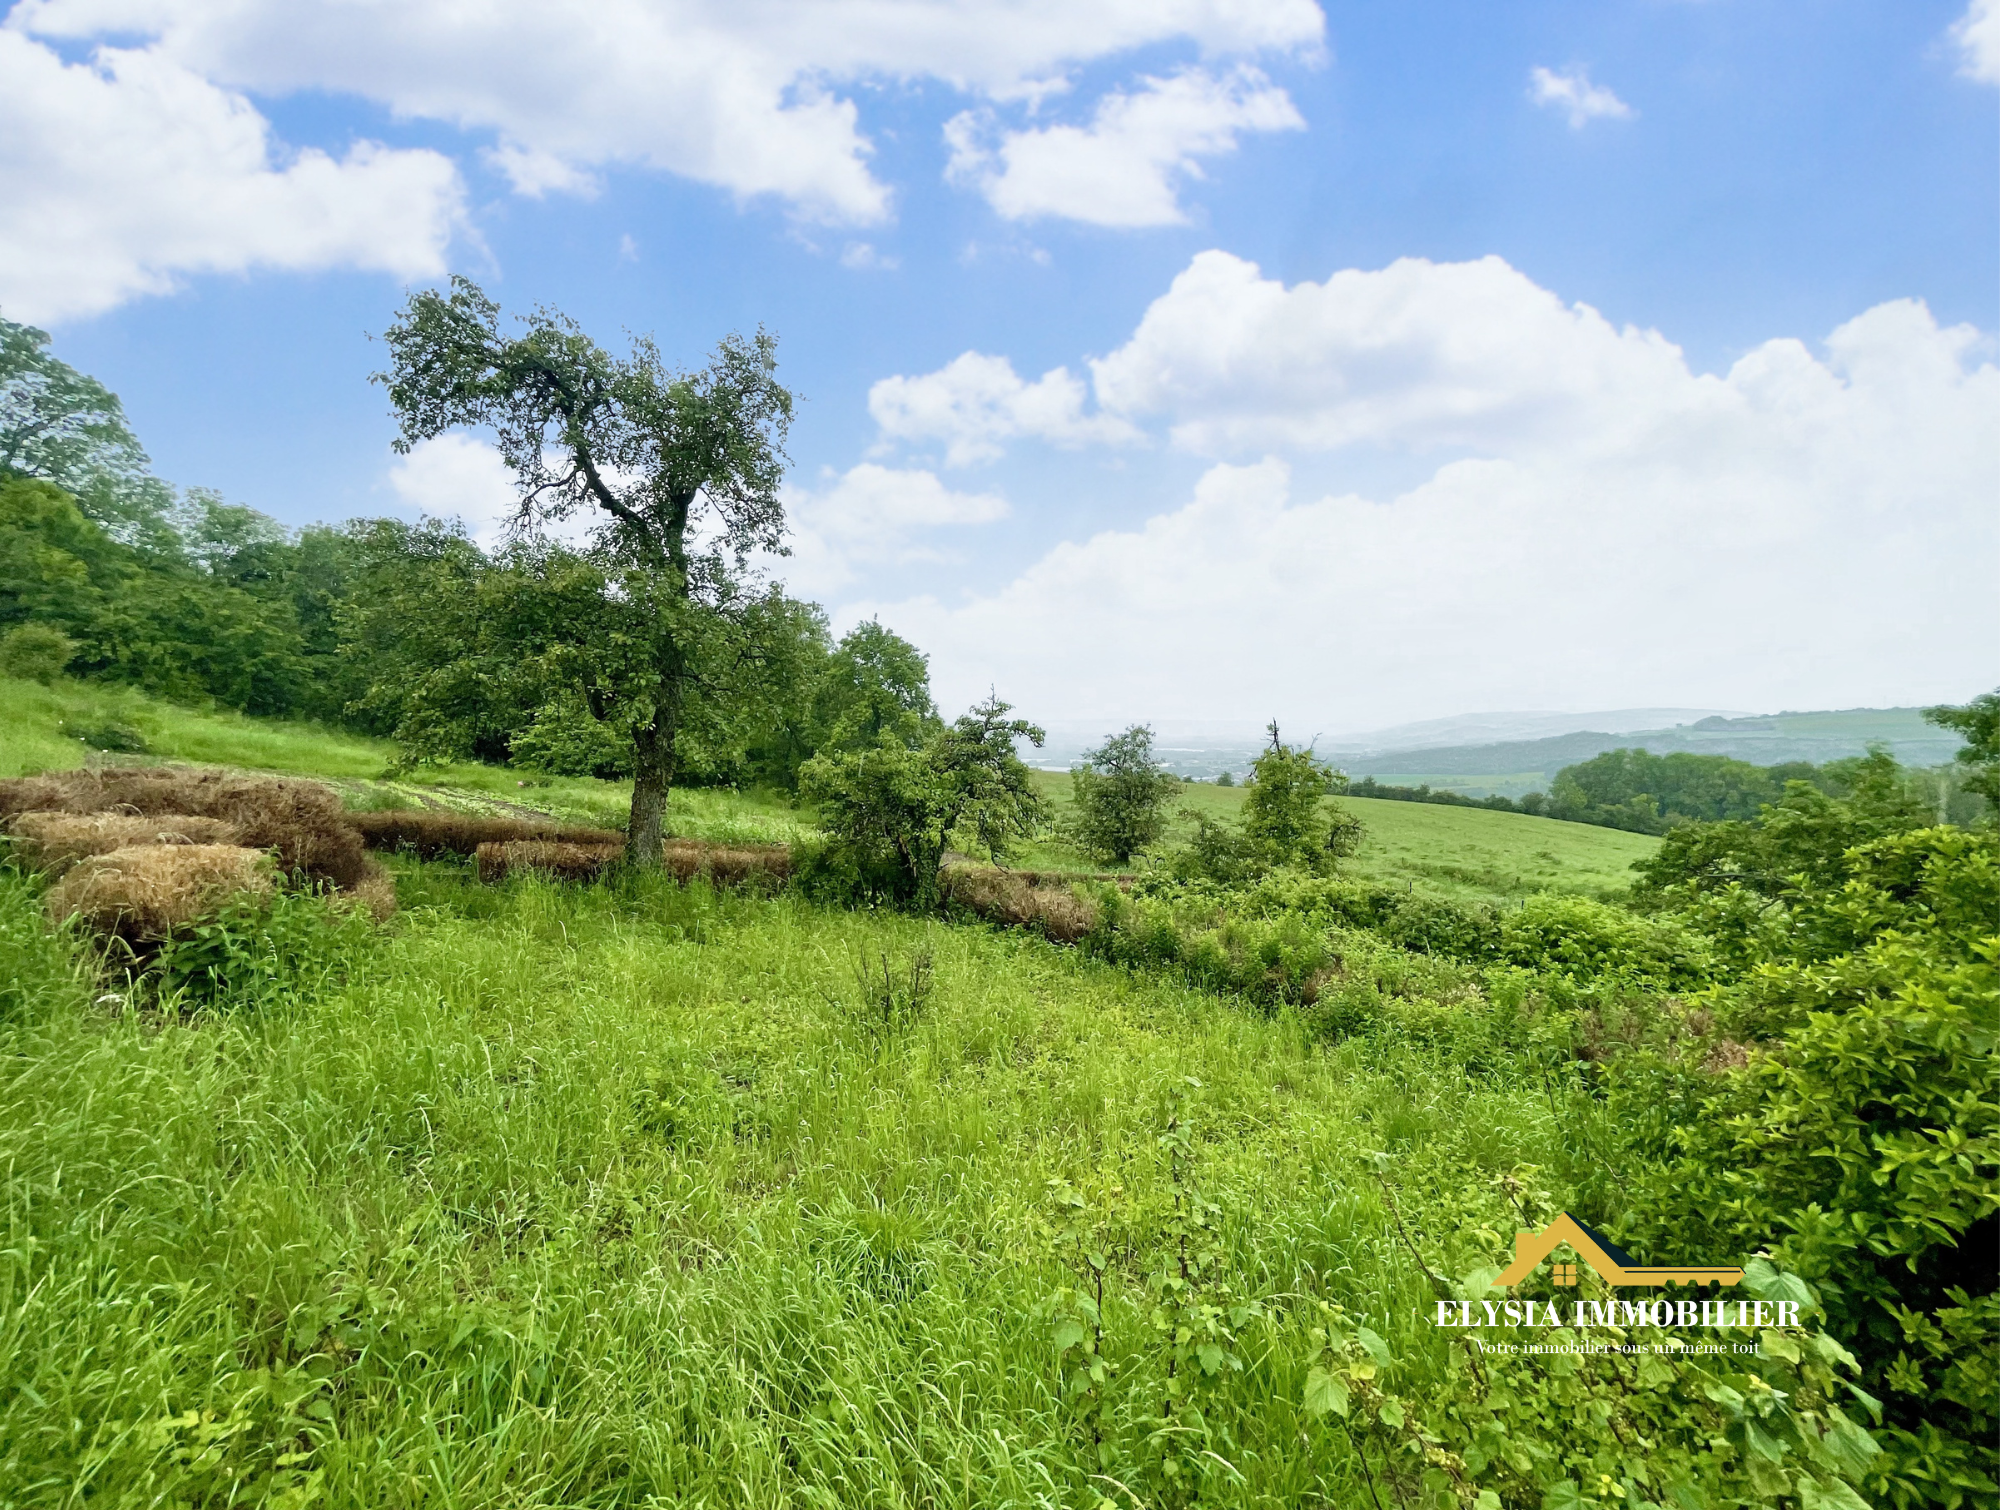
(1021, 899)
(431, 834)
(140, 853)
(554, 858)
(727, 864)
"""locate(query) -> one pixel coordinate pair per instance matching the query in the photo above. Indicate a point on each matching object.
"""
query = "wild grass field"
(649, 1194)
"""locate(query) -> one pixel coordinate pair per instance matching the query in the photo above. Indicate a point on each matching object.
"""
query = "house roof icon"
(1606, 1257)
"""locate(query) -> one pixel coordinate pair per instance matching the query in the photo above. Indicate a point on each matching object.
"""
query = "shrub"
(107, 736)
(432, 834)
(248, 951)
(1121, 796)
(53, 842)
(35, 652)
(1589, 940)
(145, 893)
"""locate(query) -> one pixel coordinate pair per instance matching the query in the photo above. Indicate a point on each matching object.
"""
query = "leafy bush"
(1865, 1139)
(1121, 796)
(246, 955)
(35, 652)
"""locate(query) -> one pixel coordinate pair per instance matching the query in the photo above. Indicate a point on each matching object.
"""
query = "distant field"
(1467, 852)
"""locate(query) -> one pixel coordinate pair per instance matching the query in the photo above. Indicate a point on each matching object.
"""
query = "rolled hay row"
(560, 861)
(299, 821)
(146, 893)
(1015, 900)
(52, 842)
(727, 864)
(431, 835)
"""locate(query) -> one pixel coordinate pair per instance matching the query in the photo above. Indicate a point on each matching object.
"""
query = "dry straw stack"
(431, 835)
(549, 857)
(1021, 899)
(142, 852)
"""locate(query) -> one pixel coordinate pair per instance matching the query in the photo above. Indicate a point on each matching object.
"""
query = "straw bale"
(432, 834)
(376, 890)
(301, 821)
(53, 842)
(562, 862)
(147, 892)
(725, 863)
(1015, 900)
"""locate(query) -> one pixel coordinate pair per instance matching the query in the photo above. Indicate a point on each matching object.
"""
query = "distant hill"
(1769, 739)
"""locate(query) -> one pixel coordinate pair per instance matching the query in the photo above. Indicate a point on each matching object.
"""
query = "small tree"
(1979, 722)
(679, 469)
(1121, 796)
(1285, 816)
(891, 808)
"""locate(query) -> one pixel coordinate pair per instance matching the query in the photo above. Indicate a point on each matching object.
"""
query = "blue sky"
(1426, 485)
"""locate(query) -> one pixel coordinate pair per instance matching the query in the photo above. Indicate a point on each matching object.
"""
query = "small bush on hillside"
(1286, 823)
(35, 653)
(107, 736)
(1121, 795)
(890, 809)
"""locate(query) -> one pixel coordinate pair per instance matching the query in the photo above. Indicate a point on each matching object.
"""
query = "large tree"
(679, 470)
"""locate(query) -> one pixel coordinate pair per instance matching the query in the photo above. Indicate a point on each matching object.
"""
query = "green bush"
(35, 652)
(1864, 1141)
(249, 954)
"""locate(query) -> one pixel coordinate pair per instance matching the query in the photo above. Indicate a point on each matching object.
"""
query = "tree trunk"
(652, 778)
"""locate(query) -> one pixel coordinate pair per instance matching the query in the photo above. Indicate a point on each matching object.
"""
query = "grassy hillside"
(37, 724)
(580, 1198)
(1465, 852)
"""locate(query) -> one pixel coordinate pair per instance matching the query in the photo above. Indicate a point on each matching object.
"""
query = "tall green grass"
(587, 1197)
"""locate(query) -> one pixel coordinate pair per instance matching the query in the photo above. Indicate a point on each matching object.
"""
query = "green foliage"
(1637, 790)
(1979, 722)
(889, 810)
(680, 472)
(1286, 823)
(35, 653)
(1121, 794)
(1865, 1140)
(296, 944)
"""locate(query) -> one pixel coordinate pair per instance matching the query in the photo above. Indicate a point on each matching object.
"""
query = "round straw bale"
(149, 892)
(53, 842)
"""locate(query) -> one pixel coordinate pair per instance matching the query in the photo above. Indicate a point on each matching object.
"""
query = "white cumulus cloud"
(1806, 529)
(976, 403)
(1417, 354)
(740, 94)
(1125, 168)
(1977, 34)
(458, 476)
(125, 174)
(873, 516)
(1572, 93)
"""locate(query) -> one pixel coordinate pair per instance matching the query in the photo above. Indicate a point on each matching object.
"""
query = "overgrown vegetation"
(759, 1173)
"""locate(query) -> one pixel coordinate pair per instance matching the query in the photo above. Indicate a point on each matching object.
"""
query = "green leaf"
(1847, 1444)
(1325, 1391)
(1565, 1496)
(1828, 1494)
(1766, 1281)
(1068, 1333)
(1375, 1346)
(1778, 1345)
(1391, 1411)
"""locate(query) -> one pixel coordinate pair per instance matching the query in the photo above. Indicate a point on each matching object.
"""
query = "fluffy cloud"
(1811, 529)
(976, 403)
(1124, 168)
(872, 516)
(735, 93)
(125, 173)
(458, 476)
(1572, 92)
(1977, 34)
(1417, 354)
